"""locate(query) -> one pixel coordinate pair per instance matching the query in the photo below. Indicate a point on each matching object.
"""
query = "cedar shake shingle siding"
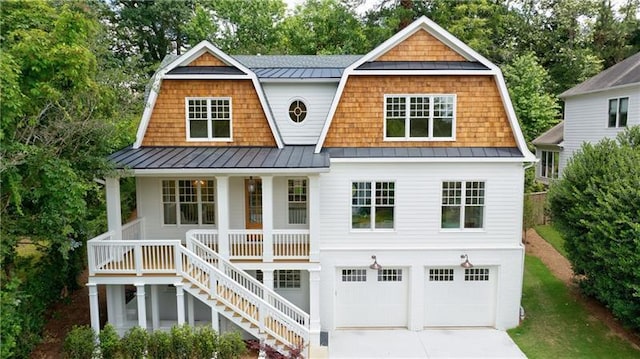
(207, 59)
(167, 126)
(421, 46)
(481, 120)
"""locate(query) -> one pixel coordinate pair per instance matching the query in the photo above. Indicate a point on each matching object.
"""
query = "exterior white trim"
(185, 59)
(204, 77)
(423, 72)
(209, 120)
(427, 159)
(296, 80)
(407, 117)
(213, 171)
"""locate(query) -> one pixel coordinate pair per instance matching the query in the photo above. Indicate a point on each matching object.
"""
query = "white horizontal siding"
(586, 119)
(316, 96)
(417, 210)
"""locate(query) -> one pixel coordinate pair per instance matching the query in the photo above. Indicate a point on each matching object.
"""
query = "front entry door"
(253, 203)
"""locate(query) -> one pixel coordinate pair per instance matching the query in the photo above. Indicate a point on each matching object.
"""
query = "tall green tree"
(536, 108)
(323, 27)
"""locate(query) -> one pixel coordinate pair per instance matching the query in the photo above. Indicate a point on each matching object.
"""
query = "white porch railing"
(133, 230)
(249, 243)
(137, 257)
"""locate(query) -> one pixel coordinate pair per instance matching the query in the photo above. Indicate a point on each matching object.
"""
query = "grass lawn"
(552, 236)
(557, 326)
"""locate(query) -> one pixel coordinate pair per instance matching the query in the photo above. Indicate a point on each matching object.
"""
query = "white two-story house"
(289, 196)
(598, 108)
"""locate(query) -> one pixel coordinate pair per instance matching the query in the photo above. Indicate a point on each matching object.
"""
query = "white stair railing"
(274, 299)
(224, 289)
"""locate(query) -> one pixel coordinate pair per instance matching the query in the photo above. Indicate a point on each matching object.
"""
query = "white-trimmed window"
(187, 201)
(286, 279)
(462, 204)
(618, 112)
(209, 118)
(419, 117)
(549, 161)
(476, 274)
(297, 198)
(441, 274)
(372, 210)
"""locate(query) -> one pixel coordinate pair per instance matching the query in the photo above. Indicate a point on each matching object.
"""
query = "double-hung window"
(462, 204)
(209, 118)
(618, 112)
(549, 161)
(187, 202)
(372, 205)
(419, 117)
(297, 197)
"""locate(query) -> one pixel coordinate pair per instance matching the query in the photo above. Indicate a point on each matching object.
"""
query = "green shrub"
(230, 346)
(182, 341)
(205, 342)
(159, 346)
(596, 207)
(109, 342)
(80, 343)
(134, 343)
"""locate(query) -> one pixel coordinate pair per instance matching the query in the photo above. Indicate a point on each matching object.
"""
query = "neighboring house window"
(297, 201)
(209, 118)
(549, 162)
(188, 201)
(618, 110)
(420, 117)
(297, 111)
(283, 279)
(462, 204)
(369, 209)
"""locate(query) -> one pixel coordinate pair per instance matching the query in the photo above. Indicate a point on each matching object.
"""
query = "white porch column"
(222, 209)
(180, 302)
(94, 307)
(314, 307)
(314, 218)
(416, 298)
(215, 321)
(267, 218)
(114, 212)
(155, 307)
(115, 305)
(267, 278)
(190, 310)
(142, 305)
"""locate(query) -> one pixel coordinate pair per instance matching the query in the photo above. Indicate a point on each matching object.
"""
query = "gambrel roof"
(622, 74)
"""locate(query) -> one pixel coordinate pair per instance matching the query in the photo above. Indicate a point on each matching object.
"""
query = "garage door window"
(354, 275)
(441, 274)
(476, 274)
(390, 275)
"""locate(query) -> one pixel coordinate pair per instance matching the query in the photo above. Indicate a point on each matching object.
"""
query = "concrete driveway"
(432, 344)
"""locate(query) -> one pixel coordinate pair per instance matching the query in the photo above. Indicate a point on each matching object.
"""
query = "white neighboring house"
(289, 196)
(600, 107)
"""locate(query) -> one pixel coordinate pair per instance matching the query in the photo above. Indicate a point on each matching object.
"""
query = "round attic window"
(297, 111)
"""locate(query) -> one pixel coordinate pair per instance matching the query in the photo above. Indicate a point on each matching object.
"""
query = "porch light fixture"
(466, 264)
(252, 184)
(375, 264)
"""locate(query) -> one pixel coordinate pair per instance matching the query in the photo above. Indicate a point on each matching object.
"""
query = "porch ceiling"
(289, 157)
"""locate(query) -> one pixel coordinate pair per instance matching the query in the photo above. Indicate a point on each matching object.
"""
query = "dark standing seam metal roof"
(626, 72)
(422, 65)
(416, 152)
(219, 157)
(297, 73)
(206, 70)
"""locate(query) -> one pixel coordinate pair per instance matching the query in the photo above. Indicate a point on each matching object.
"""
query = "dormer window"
(208, 119)
(297, 111)
(419, 117)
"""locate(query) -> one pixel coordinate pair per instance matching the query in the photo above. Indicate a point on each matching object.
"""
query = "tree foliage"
(596, 205)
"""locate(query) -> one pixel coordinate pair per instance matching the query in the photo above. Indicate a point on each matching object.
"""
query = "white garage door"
(460, 297)
(371, 298)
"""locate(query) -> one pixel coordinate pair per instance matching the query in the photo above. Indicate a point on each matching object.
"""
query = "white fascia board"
(205, 77)
(201, 48)
(148, 109)
(421, 23)
(423, 72)
(511, 116)
(219, 171)
(430, 160)
(403, 248)
(266, 108)
(278, 266)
